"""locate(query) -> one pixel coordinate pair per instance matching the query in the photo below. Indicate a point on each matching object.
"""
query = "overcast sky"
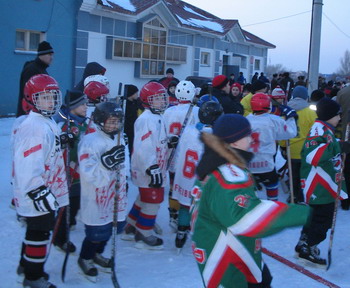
(291, 34)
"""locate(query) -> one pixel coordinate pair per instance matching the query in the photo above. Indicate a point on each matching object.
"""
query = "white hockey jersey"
(98, 184)
(266, 129)
(150, 147)
(174, 118)
(37, 161)
(189, 152)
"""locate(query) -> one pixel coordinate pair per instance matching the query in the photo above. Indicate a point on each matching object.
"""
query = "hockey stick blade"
(64, 266)
(299, 268)
(114, 274)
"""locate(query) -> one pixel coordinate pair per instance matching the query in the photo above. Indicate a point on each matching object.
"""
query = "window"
(152, 51)
(244, 62)
(205, 58)
(28, 40)
(257, 64)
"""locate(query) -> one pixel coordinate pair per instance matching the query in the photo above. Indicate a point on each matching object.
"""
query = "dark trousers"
(266, 279)
(320, 220)
(345, 204)
(298, 192)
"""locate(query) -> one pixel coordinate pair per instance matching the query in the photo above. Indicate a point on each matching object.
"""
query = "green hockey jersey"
(227, 221)
(321, 165)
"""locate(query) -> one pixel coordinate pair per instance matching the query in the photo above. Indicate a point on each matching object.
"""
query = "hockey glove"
(43, 199)
(173, 141)
(156, 176)
(67, 139)
(345, 147)
(288, 112)
(112, 158)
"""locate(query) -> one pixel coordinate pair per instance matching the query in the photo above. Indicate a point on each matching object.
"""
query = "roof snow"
(125, 4)
(202, 24)
(188, 9)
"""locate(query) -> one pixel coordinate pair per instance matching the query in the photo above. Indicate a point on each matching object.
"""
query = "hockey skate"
(88, 268)
(150, 242)
(40, 283)
(20, 274)
(63, 247)
(181, 237)
(129, 233)
(303, 243)
(310, 256)
(104, 263)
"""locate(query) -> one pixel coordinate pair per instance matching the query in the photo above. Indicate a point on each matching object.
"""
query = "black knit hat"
(231, 127)
(326, 109)
(75, 99)
(44, 48)
(169, 70)
(258, 85)
(131, 90)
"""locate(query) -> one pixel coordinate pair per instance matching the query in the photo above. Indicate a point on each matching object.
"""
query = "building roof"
(187, 15)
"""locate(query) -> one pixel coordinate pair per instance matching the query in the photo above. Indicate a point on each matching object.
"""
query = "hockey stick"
(343, 156)
(115, 208)
(67, 210)
(299, 268)
(188, 114)
(290, 174)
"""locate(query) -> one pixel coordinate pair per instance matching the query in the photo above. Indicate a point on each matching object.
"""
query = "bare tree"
(344, 68)
(276, 68)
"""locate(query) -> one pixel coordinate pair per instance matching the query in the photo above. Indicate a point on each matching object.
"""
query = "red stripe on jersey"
(266, 221)
(32, 150)
(319, 180)
(225, 185)
(35, 251)
(229, 257)
(318, 155)
(84, 156)
(144, 137)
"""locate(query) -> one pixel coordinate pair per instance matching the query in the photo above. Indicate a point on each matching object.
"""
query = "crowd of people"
(216, 147)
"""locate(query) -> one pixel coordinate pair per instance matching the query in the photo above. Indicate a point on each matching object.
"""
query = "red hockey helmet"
(154, 97)
(26, 106)
(43, 93)
(96, 92)
(260, 102)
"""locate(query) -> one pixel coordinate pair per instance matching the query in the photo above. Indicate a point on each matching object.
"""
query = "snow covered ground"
(140, 268)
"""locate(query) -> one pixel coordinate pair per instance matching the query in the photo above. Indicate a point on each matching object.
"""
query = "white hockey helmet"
(185, 91)
(97, 78)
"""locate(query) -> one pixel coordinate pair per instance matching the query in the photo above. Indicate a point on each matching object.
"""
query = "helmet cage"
(105, 111)
(209, 112)
(158, 103)
(47, 102)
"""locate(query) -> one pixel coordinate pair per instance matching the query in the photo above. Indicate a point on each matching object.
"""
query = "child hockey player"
(73, 111)
(148, 167)
(100, 157)
(43, 187)
(189, 151)
(174, 117)
(266, 129)
(227, 218)
(320, 174)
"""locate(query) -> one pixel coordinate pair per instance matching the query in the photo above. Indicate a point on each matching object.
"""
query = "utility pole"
(315, 43)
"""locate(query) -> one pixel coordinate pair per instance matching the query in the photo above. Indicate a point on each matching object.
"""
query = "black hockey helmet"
(209, 112)
(105, 110)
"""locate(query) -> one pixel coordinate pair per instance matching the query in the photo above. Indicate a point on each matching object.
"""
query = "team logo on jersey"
(257, 245)
(196, 193)
(199, 254)
(242, 200)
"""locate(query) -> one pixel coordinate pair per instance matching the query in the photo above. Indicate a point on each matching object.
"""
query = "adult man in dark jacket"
(91, 68)
(221, 90)
(34, 67)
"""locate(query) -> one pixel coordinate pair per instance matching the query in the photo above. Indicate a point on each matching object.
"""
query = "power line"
(336, 26)
(277, 19)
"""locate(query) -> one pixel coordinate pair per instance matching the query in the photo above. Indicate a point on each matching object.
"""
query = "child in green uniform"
(320, 173)
(227, 217)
